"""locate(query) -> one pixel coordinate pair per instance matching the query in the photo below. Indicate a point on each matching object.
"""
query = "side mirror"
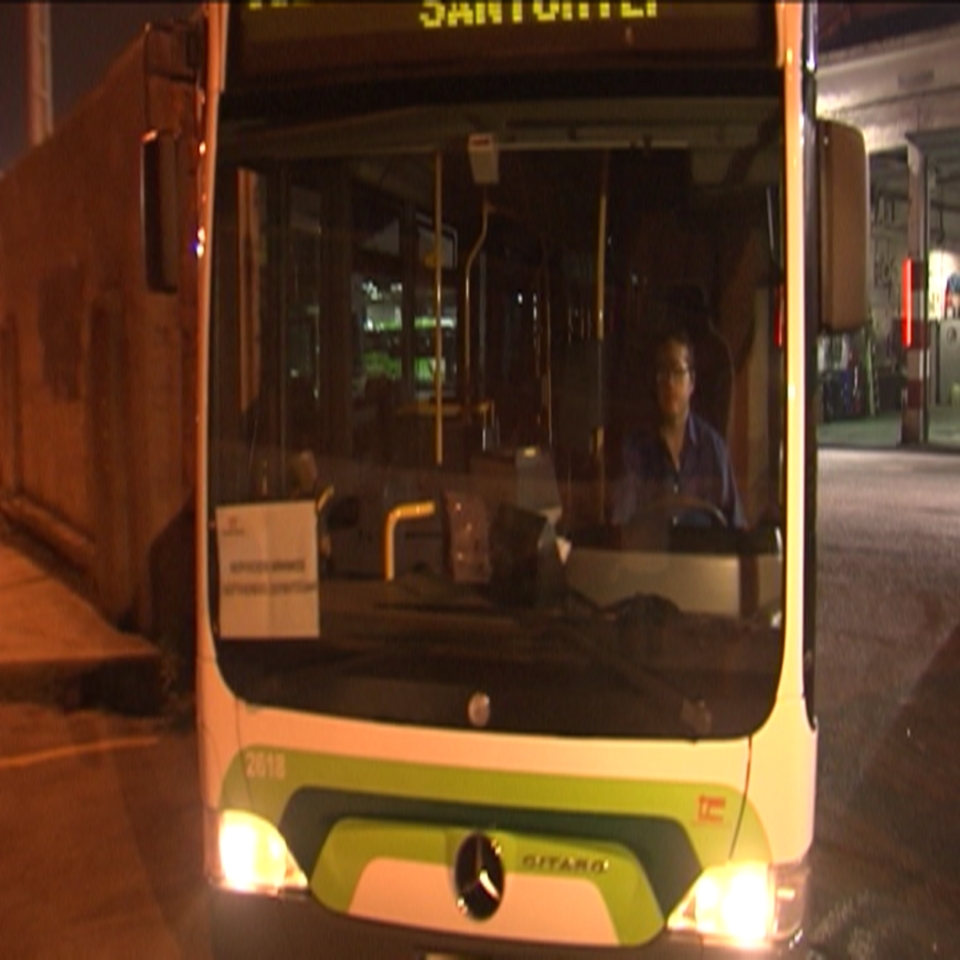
(844, 227)
(160, 211)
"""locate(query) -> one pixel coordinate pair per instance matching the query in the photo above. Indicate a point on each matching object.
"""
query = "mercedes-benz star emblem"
(479, 877)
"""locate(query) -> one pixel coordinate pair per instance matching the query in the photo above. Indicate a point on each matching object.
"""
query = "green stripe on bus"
(702, 809)
(667, 832)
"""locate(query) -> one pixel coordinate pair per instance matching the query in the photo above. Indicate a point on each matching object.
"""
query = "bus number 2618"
(265, 765)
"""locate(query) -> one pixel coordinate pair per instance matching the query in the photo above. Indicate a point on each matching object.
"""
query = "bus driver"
(682, 460)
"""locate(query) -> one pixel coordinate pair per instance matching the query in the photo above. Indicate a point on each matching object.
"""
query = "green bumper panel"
(621, 882)
(338, 814)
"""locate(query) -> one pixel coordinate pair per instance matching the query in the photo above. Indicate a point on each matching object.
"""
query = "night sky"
(86, 39)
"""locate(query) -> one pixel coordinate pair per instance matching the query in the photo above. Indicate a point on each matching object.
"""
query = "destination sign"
(436, 14)
(289, 39)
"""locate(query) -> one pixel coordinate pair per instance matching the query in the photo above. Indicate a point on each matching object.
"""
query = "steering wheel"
(671, 506)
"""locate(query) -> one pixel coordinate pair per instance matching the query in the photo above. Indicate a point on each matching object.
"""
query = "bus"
(447, 704)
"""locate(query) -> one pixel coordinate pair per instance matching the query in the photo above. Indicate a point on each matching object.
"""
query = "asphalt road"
(887, 853)
(100, 838)
(100, 833)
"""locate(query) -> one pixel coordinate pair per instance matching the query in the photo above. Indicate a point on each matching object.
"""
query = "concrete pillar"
(914, 427)
(39, 73)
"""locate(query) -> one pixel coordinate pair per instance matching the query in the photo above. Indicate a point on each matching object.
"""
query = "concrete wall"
(97, 375)
(890, 90)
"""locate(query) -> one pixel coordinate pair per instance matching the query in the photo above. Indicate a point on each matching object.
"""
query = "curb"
(130, 685)
(129, 679)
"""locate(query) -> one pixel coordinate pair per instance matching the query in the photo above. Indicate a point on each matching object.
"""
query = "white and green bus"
(447, 704)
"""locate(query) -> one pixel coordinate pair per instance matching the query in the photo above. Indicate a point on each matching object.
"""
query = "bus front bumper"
(250, 925)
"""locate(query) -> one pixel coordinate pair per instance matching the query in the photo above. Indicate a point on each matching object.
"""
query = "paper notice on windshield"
(269, 586)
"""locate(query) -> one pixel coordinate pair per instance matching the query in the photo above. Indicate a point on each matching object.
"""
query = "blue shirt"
(704, 473)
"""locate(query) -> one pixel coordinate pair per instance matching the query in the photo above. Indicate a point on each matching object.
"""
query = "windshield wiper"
(641, 612)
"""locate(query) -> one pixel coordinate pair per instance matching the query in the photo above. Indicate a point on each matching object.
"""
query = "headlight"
(250, 854)
(745, 903)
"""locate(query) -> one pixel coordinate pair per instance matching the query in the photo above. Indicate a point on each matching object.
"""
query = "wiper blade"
(640, 612)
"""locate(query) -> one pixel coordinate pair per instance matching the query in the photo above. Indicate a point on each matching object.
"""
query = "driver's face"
(674, 381)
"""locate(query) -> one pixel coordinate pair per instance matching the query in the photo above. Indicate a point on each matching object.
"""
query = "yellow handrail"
(400, 513)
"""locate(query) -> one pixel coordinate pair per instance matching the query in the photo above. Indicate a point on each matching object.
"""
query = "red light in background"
(906, 295)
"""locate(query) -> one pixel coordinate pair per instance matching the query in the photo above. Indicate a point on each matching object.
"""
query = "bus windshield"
(496, 412)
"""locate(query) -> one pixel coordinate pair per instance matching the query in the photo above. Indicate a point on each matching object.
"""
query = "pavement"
(56, 647)
(883, 432)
